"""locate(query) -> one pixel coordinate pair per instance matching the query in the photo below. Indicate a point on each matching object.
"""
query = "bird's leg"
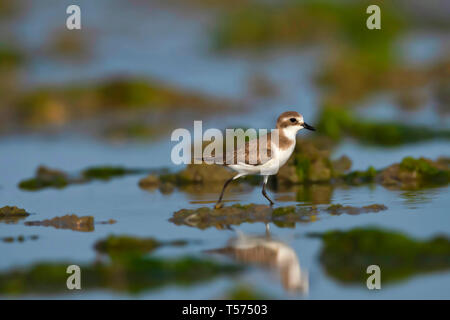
(218, 204)
(264, 190)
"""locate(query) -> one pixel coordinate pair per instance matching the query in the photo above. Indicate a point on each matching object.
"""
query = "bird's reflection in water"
(270, 253)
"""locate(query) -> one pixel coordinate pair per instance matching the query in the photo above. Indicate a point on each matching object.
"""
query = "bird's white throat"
(290, 132)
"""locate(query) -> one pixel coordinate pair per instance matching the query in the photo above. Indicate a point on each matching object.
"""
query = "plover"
(270, 152)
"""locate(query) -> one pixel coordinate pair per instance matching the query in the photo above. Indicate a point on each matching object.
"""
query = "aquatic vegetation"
(127, 273)
(72, 222)
(45, 178)
(60, 104)
(311, 163)
(107, 172)
(149, 182)
(137, 130)
(244, 292)
(283, 216)
(260, 85)
(10, 58)
(20, 238)
(114, 245)
(313, 193)
(205, 217)
(338, 123)
(194, 174)
(12, 214)
(70, 46)
(413, 173)
(269, 253)
(346, 254)
(360, 177)
(203, 173)
(338, 209)
(410, 173)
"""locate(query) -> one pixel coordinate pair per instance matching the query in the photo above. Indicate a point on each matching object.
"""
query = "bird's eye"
(293, 120)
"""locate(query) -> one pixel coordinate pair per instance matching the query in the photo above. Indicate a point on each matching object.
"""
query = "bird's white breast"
(284, 155)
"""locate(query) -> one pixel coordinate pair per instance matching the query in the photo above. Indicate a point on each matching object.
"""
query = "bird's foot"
(218, 205)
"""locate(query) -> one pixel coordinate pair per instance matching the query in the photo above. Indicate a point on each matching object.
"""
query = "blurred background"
(85, 171)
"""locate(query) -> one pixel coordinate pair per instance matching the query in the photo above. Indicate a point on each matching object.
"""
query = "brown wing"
(254, 152)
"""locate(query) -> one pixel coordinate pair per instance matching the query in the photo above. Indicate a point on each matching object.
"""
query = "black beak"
(307, 126)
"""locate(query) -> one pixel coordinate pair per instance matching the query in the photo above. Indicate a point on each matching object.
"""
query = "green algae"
(413, 173)
(309, 169)
(131, 273)
(283, 216)
(19, 239)
(107, 172)
(9, 9)
(12, 214)
(70, 46)
(61, 104)
(244, 292)
(361, 177)
(288, 217)
(262, 25)
(123, 244)
(10, 58)
(427, 170)
(338, 209)
(338, 123)
(346, 254)
(310, 163)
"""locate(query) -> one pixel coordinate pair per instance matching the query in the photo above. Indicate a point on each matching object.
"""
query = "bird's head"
(291, 122)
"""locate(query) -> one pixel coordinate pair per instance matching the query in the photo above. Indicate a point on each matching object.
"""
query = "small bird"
(268, 252)
(267, 153)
